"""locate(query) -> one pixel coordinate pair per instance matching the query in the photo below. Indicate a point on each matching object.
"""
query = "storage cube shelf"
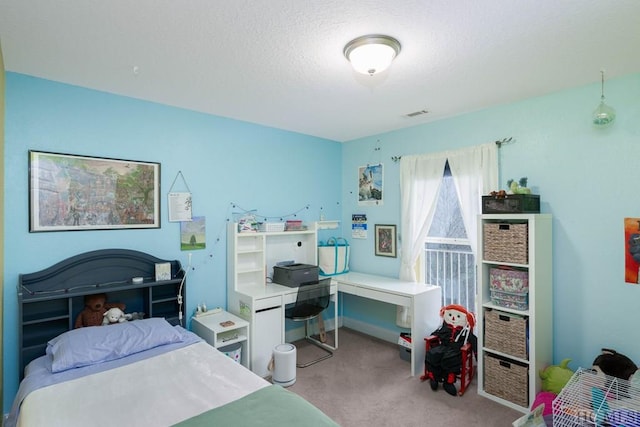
(515, 306)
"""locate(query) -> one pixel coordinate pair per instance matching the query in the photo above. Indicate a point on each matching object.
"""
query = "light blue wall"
(223, 161)
(587, 178)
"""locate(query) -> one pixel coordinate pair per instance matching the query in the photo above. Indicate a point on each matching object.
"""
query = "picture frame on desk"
(385, 240)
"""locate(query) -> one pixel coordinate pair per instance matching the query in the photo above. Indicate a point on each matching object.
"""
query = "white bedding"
(143, 393)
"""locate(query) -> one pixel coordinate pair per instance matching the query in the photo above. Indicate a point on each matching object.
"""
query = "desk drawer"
(384, 297)
(290, 298)
(348, 289)
(269, 302)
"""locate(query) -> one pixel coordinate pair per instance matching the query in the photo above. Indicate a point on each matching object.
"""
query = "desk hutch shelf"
(250, 293)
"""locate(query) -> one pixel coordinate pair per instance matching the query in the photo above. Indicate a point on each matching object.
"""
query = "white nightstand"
(209, 327)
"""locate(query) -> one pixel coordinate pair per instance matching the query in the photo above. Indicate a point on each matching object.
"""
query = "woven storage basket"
(506, 379)
(506, 242)
(506, 333)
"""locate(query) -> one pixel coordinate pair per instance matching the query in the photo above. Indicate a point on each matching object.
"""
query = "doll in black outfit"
(444, 361)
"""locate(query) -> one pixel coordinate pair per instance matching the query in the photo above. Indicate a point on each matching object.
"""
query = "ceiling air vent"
(417, 113)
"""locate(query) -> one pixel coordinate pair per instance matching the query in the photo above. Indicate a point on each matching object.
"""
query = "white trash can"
(284, 365)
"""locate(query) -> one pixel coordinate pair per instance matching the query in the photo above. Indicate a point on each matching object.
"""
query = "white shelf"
(327, 225)
(209, 327)
(250, 260)
(539, 314)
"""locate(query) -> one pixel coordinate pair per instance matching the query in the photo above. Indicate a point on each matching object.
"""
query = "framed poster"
(370, 185)
(71, 192)
(385, 240)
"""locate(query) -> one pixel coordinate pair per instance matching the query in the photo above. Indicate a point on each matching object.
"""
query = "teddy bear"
(443, 362)
(114, 315)
(94, 308)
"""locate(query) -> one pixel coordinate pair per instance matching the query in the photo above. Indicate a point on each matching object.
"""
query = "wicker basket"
(506, 379)
(506, 242)
(506, 333)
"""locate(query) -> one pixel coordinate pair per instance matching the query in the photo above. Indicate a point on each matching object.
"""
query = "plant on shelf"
(519, 187)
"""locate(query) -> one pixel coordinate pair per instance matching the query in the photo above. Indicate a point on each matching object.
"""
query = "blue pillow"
(97, 344)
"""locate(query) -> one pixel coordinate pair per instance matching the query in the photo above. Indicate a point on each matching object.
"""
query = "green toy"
(519, 187)
(555, 377)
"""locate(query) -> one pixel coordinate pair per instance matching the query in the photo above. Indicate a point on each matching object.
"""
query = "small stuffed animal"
(136, 315)
(555, 377)
(614, 364)
(94, 308)
(114, 315)
(444, 361)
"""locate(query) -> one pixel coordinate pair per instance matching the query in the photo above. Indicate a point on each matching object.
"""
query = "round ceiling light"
(372, 54)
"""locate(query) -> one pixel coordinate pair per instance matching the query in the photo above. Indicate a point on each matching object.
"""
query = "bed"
(148, 372)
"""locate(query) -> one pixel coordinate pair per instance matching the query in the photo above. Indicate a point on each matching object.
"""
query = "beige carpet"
(366, 383)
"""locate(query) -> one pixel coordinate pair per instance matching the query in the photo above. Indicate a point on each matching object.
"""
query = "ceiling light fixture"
(603, 115)
(372, 54)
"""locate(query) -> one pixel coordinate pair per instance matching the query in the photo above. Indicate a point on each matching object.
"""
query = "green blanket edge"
(268, 406)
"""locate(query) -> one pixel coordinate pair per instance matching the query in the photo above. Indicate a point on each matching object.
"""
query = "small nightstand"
(210, 328)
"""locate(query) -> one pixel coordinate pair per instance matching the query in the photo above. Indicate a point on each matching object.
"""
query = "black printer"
(293, 275)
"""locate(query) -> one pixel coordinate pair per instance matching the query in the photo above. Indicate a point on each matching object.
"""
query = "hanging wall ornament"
(604, 115)
(179, 203)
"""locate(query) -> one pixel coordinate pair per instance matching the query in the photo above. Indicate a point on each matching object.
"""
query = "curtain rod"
(499, 143)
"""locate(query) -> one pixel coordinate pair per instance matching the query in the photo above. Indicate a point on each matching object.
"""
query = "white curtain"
(474, 171)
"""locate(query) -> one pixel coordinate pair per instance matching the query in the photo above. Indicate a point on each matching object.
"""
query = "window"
(472, 172)
(448, 258)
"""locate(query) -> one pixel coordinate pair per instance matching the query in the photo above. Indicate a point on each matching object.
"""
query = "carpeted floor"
(366, 383)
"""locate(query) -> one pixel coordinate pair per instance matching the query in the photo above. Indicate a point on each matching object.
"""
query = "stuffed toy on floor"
(443, 362)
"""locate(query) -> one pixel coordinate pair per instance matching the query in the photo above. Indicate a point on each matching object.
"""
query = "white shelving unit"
(212, 328)
(538, 317)
(250, 295)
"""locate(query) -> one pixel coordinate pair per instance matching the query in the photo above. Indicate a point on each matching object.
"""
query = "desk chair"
(312, 299)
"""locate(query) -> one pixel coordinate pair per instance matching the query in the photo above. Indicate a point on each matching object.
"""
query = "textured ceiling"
(279, 62)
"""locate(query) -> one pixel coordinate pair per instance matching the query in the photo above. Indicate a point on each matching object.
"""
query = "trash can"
(234, 351)
(284, 365)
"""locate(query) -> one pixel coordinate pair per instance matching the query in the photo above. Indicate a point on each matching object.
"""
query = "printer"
(293, 275)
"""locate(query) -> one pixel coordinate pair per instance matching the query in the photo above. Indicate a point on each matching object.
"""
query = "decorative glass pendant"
(604, 115)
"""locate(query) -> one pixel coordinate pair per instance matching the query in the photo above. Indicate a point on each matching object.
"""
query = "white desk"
(423, 301)
(263, 307)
